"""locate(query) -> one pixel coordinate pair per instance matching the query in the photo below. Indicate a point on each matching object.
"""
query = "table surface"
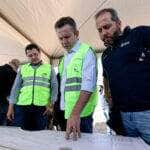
(12, 138)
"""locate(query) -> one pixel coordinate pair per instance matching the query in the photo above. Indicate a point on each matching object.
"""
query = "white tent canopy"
(11, 43)
(33, 21)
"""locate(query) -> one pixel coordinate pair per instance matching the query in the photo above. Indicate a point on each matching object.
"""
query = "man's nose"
(64, 41)
(34, 56)
(104, 32)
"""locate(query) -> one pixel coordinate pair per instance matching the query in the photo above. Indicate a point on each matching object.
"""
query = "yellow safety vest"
(36, 85)
(73, 83)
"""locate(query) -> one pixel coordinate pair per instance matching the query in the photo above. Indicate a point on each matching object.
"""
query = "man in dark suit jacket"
(7, 77)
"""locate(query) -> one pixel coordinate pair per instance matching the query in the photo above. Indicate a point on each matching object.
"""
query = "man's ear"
(119, 23)
(77, 33)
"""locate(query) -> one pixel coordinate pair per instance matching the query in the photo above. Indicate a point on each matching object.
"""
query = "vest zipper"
(33, 86)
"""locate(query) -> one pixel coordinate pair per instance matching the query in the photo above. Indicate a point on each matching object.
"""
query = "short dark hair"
(31, 46)
(113, 12)
(64, 21)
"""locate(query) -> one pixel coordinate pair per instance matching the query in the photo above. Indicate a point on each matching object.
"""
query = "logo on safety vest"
(75, 68)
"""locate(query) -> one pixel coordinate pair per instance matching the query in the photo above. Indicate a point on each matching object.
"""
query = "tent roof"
(34, 19)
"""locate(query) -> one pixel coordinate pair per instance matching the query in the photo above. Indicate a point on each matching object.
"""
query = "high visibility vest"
(73, 83)
(36, 85)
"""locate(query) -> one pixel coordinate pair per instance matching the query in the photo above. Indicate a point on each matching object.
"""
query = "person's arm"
(54, 92)
(15, 89)
(107, 93)
(54, 86)
(145, 35)
(14, 95)
(88, 85)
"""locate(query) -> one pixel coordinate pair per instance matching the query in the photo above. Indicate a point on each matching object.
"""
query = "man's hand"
(73, 123)
(10, 112)
(49, 109)
(73, 127)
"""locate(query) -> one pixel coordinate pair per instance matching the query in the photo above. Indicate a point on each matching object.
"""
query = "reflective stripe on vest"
(73, 88)
(39, 81)
(47, 85)
(36, 78)
(74, 79)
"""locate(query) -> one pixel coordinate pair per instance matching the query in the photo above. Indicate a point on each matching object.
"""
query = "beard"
(109, 41)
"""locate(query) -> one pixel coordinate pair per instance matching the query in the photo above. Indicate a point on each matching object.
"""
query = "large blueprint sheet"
(16, 139)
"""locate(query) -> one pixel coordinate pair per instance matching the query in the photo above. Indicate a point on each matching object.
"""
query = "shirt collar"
(39, 63)
(125, 32)
(75, 47)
